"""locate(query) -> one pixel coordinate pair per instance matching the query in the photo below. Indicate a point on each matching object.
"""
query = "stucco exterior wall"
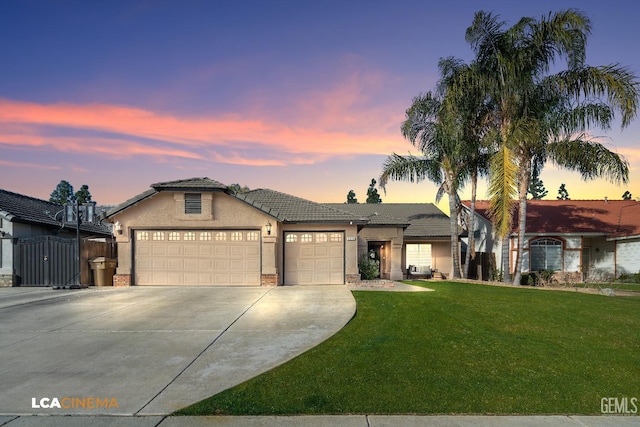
(441, 257)
(393, 253)
(166, 210)
(628, 256)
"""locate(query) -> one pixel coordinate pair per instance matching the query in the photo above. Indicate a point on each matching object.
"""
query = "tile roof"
(422, 219)
(612, 218)
(29, 210)
(201, 184)
(292, 209)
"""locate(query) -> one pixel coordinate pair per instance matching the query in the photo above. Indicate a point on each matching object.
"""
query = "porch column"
(269, 267)
(396, 262)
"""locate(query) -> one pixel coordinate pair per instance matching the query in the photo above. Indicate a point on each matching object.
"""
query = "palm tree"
(447, 131)
(544, 116)
(425, 128)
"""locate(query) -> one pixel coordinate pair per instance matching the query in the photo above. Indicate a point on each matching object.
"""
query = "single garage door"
(313, 258)
(197, 257)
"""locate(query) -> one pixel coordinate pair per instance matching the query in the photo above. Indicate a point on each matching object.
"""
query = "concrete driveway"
(152, 350)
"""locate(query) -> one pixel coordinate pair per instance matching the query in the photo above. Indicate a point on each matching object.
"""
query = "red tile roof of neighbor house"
(613, 218)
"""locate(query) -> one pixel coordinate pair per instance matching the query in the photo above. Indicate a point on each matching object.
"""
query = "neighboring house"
(581, 239)
(198, 232)
(23, 217)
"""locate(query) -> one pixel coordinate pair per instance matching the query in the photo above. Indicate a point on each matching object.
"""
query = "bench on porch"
(417, 272)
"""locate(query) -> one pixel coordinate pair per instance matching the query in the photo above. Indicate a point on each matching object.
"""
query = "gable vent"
(192, 203)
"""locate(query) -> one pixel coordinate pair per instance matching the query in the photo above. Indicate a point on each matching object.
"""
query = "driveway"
(152, 350)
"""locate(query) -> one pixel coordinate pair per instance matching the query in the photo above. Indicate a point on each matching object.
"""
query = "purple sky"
(304, 97)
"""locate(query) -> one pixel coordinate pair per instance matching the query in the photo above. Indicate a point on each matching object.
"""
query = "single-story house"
(589, 240)
(198, 232)
(22, 218)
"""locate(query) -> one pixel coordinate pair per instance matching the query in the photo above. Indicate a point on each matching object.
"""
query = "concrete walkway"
(328, 421)
(152, 349)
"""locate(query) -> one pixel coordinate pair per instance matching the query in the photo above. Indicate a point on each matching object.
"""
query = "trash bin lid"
(99, 259)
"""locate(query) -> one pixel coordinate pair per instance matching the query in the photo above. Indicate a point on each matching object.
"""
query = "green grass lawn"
(464, 349)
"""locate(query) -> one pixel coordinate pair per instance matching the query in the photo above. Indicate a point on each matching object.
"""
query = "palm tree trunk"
(471, 247)
(506, 265)
(453, 223)
(524, 178)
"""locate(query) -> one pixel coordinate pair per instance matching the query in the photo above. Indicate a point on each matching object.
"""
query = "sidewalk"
(327, 421)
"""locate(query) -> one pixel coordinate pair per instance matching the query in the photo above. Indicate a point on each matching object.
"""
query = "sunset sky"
(304, 97)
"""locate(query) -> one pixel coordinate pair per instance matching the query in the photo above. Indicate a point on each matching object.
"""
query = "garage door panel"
(158, 250)
(174, 250)
(221, 250)
(316, 261)
(190, 250)
(167, 260)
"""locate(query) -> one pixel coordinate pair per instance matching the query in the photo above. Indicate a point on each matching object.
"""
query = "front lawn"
(464, 349)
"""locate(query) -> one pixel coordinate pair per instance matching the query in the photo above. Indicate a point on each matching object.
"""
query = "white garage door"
(197, 257)
(312, 258)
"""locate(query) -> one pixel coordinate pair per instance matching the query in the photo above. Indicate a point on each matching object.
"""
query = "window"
(174, 236)
(306, 238)
(205, 235)
(192, 203)
(221, 236)
(321, 238)
(292, 238)
(190, 235)
(157, 235)
(545, 254)
(143, 235)
(419, 255)
(336, 237)
(236, 236)
(252, 236)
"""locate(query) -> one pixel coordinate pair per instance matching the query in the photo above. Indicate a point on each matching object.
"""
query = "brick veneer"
(269, 280)
(353, 278)
(120, 280)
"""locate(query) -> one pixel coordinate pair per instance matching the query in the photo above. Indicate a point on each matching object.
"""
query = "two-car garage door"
(197, 257)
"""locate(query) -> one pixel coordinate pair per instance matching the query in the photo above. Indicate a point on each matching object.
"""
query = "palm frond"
(409, 168)
(503, 189)
(590, 158)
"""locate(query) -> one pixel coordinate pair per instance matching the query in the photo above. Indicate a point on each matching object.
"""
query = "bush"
(369, 267)
(629, 278)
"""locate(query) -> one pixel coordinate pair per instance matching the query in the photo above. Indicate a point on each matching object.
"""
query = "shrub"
(629, 278)
(369, 267)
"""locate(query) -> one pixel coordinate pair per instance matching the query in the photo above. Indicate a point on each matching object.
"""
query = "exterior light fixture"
(268, 227)
(117, 227)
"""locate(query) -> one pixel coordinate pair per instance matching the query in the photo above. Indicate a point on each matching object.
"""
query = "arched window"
(545, 254)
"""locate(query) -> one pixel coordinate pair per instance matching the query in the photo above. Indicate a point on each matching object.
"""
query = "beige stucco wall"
(392, 254)
(441, 257)
(166, 210)
(219, 210)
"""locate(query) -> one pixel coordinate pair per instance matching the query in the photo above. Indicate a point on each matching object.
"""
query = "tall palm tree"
(447, 130)
(541, 115)
(427, 130)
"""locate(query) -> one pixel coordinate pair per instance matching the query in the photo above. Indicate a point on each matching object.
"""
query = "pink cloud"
(27, 165)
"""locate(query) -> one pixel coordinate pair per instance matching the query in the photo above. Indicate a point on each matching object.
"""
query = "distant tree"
(627, 195)
(63, 193)
(83, 195)
(372, 193)
(351, 197)
(237, 188)
(536, 188)
(563, 194)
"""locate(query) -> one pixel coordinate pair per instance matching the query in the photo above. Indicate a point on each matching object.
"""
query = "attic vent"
(192, 203)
